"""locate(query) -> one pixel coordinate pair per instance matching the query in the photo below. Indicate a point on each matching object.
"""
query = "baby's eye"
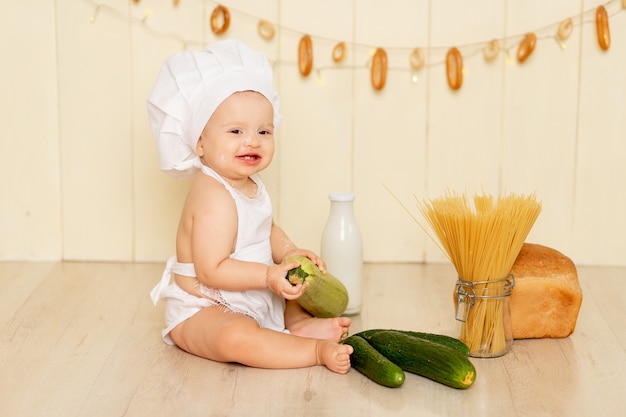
(265, 132)
(236, 131)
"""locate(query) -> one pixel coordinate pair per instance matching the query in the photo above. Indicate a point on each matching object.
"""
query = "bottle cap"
(341, 196)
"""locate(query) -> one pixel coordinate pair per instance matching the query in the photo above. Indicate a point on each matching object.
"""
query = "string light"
(509, 58)
(146, 15)
(320, 79)
(560, 43)
(94, 16)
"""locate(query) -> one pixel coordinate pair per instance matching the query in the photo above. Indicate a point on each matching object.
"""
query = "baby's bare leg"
(301, 323)
(224, 336)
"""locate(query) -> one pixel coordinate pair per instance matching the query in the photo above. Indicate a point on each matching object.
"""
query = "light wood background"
(79, 178)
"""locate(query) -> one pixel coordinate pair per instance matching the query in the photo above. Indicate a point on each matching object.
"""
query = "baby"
(214, 115)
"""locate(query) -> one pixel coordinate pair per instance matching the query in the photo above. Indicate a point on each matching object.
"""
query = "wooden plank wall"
(78, 168)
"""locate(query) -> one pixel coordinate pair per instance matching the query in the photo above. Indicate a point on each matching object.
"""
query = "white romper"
(253, 245)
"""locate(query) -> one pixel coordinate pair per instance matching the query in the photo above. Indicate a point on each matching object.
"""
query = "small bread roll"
(547, 295)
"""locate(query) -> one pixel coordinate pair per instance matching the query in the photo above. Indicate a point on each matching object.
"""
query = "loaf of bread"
(547, 295)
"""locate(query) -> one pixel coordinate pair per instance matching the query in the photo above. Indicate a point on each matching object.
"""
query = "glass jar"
(484, 317)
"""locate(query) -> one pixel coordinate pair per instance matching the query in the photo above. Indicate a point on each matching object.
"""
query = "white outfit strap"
(233, 191)
(172, 266)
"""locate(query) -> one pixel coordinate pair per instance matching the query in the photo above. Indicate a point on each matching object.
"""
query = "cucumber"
(373, 364)
(425, 358)
(449, 341)
(325, 296)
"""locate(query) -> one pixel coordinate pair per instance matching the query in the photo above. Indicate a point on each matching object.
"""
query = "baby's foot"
(334, 356)
(333, 329)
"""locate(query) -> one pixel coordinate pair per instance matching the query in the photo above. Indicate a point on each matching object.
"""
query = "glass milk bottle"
(342, 248)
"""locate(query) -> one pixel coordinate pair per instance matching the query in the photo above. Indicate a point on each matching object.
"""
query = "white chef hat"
(190, 86)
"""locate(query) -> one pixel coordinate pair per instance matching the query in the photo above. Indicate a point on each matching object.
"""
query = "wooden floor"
(83, 339)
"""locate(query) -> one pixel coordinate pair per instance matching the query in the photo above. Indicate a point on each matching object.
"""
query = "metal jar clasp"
(466, 293)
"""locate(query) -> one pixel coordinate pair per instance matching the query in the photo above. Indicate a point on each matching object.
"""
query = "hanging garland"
(454, 68)
(221, 17)
(602, 28)
(417, 59)
(526, 47)
(305, 55)
(565, 29)
(266, 29)
(339, 52)
(378, 71)
(491, 50)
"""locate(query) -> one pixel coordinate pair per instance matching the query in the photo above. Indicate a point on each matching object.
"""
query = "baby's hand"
(309, 254)
(276, 281)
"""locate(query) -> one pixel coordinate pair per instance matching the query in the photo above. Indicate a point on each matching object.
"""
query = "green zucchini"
(449, 341)
(373, 364)
(423, 357)
(325, 296)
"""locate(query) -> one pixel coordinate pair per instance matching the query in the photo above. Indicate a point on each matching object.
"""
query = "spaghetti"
(482, 239)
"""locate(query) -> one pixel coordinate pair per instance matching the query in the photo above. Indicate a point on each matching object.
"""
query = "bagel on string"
(378, 74)
(602, 28)
(526, 47)
(454, 68)
(416, 59)
(565, 29)
(266, 29)
(339, 52)
(220, 19)
(491, 50)
(305, 55)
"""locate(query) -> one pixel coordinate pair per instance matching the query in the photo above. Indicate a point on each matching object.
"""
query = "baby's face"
(238, 139)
